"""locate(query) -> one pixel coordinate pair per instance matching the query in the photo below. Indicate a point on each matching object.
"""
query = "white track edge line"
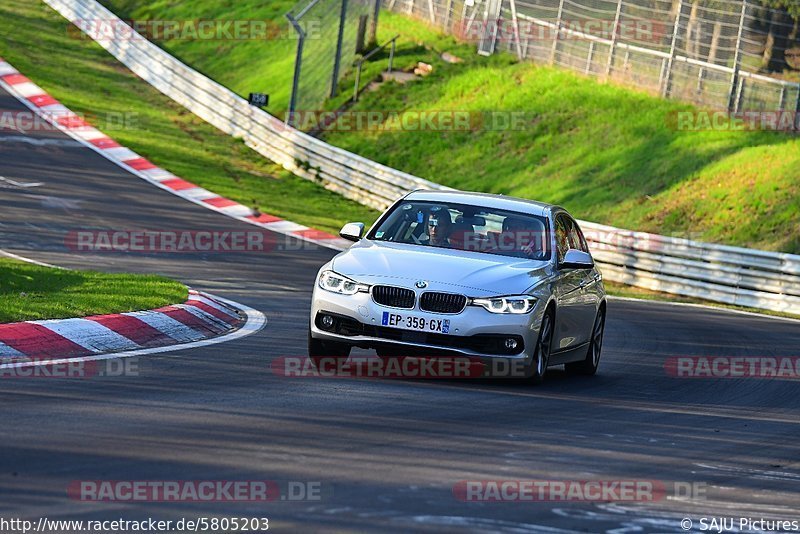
(27, 260)
(709, 307)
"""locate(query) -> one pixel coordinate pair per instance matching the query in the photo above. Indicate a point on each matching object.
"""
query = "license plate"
(419, 324)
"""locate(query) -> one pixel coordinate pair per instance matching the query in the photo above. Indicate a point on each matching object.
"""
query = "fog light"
(327, 322)
(511, 343)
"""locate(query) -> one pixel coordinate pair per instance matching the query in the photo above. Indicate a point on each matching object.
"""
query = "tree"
(781, 18)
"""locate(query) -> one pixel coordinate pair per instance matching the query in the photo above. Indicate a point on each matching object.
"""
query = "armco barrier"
(715, 272)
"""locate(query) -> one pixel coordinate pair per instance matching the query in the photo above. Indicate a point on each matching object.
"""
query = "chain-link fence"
(331, 33)
(714, 53)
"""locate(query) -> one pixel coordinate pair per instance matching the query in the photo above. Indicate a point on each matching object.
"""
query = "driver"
(527, 235)
(440, 226)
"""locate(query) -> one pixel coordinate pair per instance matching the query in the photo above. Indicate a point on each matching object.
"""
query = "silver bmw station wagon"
(504, 281)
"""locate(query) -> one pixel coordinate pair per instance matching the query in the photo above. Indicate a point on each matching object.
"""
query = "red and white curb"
(202, 320)
(55, 113)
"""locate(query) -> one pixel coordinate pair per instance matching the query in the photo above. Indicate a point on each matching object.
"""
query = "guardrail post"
(733, 101)
(667, 85)
(614, 34)
(558, 31)
(298, 63)
(338, 59)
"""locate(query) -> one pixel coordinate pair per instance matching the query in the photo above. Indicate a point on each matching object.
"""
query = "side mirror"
(576, 259)
(352, 231)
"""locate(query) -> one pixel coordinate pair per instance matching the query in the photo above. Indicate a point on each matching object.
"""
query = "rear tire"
(589, 365)
(543, 346)
(326, 353)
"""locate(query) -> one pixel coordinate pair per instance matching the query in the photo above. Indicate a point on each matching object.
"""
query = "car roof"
(486, 200)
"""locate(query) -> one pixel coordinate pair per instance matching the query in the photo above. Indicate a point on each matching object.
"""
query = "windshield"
(466, 227)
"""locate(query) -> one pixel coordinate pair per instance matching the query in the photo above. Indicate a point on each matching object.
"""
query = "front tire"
(543, 346)
(326, 352)
(589, 364)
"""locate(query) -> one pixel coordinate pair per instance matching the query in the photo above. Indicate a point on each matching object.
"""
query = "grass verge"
(31, 292)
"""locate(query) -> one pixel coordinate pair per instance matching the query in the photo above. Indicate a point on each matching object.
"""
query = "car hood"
(444, 269)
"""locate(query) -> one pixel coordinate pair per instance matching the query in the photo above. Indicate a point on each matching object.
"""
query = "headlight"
(514, 304)
(336, 283)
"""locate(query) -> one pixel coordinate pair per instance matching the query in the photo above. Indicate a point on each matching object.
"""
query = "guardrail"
(720, 273)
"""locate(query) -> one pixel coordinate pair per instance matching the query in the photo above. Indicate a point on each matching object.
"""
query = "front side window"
(465, 227)
(568, 235)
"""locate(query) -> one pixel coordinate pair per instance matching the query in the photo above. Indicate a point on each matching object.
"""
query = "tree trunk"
(712, 52)
(780, 28)
(692, 32)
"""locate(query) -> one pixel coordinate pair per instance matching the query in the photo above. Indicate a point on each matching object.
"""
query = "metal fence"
(331, 33)
(708, 52)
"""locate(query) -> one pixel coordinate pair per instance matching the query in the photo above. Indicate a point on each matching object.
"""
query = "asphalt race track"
(387, 453)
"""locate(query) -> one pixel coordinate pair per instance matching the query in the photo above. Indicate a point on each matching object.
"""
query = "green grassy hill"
(607, 153)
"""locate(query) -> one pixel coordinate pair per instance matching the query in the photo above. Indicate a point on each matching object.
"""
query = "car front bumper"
(474, 333)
